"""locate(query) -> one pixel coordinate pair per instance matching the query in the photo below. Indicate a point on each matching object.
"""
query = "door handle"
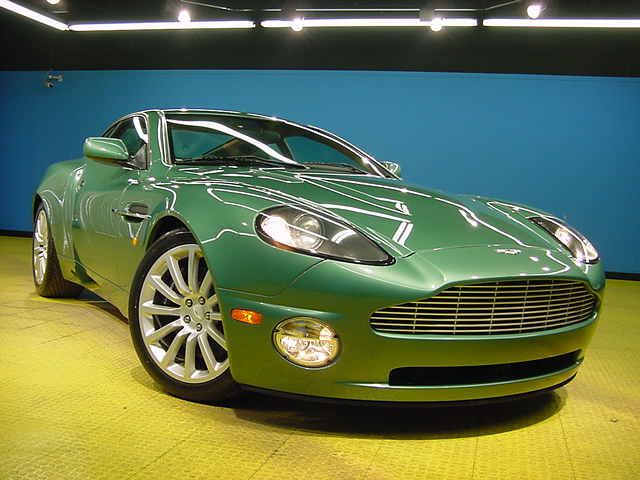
(129, 213)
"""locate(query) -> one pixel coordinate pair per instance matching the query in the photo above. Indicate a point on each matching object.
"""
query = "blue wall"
(569, 145)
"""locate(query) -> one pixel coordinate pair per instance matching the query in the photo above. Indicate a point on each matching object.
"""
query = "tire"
(47, 275)
(176, 324)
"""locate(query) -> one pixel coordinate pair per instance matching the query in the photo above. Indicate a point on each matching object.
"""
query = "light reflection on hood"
(411, 218)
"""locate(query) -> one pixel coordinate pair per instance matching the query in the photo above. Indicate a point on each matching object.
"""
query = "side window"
(133, 132)
(306, 150)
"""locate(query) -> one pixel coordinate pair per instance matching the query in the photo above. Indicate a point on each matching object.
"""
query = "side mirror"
(393, 167)
(105, 149)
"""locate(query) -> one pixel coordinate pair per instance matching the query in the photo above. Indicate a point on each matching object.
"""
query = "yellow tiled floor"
(75, 404)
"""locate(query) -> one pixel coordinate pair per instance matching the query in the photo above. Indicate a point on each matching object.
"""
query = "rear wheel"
(176, 323)
(47, 274)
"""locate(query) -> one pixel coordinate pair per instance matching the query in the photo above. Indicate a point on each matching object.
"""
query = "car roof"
(214, 111)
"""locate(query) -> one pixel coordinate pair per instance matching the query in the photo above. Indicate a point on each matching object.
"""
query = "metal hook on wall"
(51, 80)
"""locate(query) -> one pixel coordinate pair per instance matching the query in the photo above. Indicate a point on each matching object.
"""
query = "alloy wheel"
(180, 318)
(40, 246)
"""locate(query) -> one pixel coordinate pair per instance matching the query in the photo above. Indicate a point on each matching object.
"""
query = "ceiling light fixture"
(562, 23)
(110, 27)
(431, 14)
(33, 15)
(53, 2)
(436, 23)
(534, 9)
(297, 24)
(184, 16)
(369, 22)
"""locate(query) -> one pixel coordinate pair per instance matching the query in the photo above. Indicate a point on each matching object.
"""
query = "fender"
(56, 191)
(224, 227)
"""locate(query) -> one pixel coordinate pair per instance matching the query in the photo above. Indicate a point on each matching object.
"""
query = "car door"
(99, 219)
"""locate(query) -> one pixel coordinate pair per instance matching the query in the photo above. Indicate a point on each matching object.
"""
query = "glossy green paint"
(109, 149)
(436, 240)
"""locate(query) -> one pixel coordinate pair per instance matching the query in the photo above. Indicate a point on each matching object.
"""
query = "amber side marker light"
(246, 316)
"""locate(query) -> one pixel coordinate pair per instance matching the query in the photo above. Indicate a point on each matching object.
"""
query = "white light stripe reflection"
(360, 210)
(468, 218)
(369, 22)
(405, 235)
(403, 232)
(138, 127)
(218, 24)
(33, 15)
(488, 225)
(234, 133)
(353, 197)
(562, 23)
(341, 235)
(171, 205)
(227, 230)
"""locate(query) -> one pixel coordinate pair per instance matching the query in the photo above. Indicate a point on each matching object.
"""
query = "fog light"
(306, 342)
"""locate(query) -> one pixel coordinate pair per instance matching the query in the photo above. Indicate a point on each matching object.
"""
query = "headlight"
(580, 248)
(315, 234)
(306, 342)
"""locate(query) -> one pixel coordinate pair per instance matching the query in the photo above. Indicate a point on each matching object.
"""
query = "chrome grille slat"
(489, 286)
(478, 324)
(438, 302)
(536, 305)
(546, 295)
(565, 308)
(484, 331)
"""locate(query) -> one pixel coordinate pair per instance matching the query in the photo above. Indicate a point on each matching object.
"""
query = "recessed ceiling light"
(184, 16)
(535, 9)
(297, 24)
(436, 24)
(53, 2)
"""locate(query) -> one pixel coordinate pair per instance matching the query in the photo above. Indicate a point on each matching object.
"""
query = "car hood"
(406, 218)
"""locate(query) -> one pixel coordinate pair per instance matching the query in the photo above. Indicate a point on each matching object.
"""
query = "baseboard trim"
(15, 233)
(611, 275)
(623, 276)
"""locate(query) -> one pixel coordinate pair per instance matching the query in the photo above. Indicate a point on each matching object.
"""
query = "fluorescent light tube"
(33, 15)
(368, 22)
(562, 23)
(104, 27)
(459, 22)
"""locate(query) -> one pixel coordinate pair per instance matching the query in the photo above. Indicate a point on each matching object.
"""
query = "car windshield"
(235, 140)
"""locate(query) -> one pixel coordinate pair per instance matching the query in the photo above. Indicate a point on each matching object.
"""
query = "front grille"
(494, 308)
(478, 374)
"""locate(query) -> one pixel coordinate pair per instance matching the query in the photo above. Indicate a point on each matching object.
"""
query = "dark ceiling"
(89, 11)
(29, 45)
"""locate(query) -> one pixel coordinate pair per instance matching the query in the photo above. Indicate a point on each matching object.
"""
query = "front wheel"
(176, 323)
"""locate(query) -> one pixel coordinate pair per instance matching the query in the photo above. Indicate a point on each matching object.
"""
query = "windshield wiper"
(237, 160)
(338, 166)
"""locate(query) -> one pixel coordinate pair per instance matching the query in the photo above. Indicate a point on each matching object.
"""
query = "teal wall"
(569, 145)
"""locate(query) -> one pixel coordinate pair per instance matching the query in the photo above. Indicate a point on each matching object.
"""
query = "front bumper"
(344, 295)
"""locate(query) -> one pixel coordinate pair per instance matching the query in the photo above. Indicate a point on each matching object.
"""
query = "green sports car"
(251, 252)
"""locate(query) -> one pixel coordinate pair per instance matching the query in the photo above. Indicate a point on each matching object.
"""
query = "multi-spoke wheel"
(176, 323)
(47, 275)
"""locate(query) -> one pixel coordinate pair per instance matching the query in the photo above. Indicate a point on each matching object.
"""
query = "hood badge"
(508, 251)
